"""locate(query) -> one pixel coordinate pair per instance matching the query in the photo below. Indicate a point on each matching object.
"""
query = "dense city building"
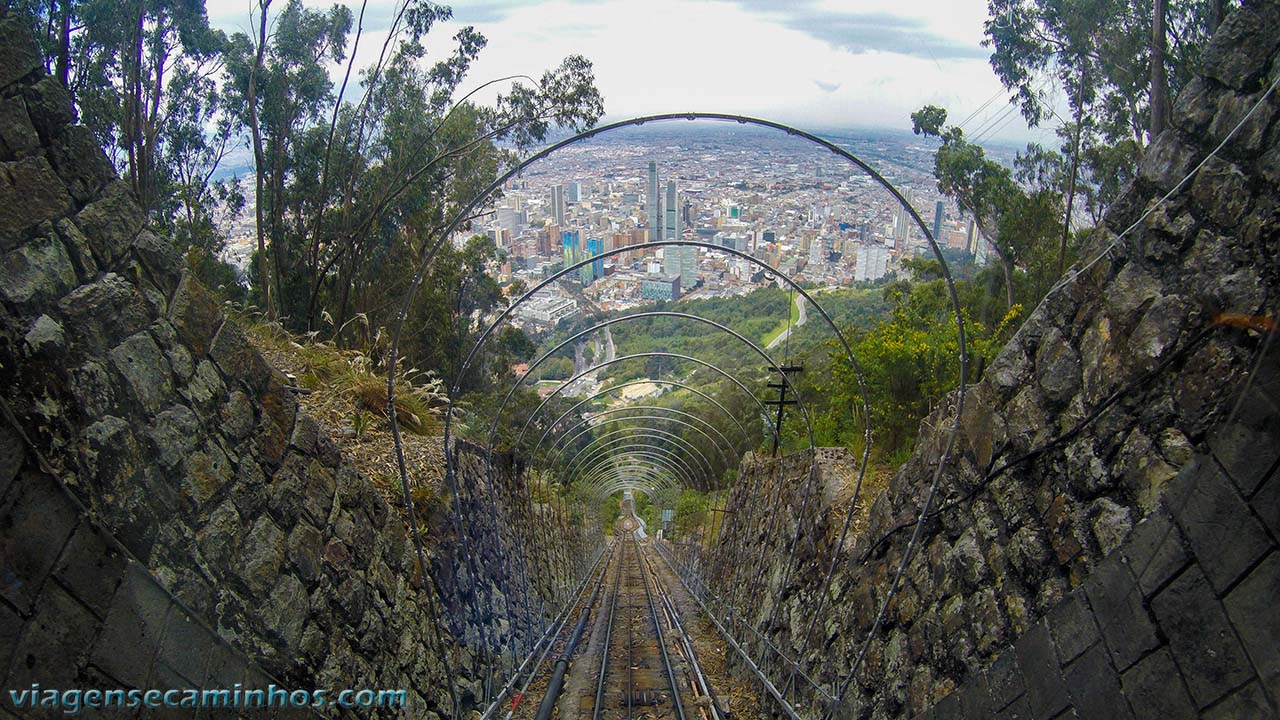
(819, 219)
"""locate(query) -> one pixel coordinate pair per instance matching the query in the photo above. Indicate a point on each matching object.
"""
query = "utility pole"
(782, 400)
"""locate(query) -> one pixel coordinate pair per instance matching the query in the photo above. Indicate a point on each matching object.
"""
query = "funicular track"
(635, 679)
(636, 660)
(645, 448)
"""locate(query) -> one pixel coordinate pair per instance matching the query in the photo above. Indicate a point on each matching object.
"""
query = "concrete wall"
(169, 517)
(1124, 563)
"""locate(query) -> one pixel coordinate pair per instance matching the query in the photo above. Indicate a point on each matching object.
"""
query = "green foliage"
(556, 368)
(691, 511)
(1023, 223)
(1100, 53)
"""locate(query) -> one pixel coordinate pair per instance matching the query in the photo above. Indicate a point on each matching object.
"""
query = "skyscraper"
(651, 200)
(570, 238)
(677, 260)
(557, 204)
(872, 262)
(591, 271)
(671, 229)
(901, 225)
(938, 211)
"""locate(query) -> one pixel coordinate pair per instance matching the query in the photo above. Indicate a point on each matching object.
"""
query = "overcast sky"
(813, 63)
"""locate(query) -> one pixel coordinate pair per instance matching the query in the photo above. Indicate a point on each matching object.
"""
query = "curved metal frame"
(497, 413)
(674, 356)
(651, 473)
(428, 253)
(554, 452)
(589, 452)
(759, 404)
(637, 451)
(631, 383)
(647, 445)
(668, 442)
(633, 448)
(613, 321)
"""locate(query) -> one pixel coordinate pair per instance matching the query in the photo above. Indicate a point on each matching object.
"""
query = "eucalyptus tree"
(130, 67)
(1118, 62)
(354, 180)
(1019, 214)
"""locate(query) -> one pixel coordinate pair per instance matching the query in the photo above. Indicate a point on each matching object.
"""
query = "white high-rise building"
(652, 203)
(557, 204)
(872, 263)
(818, 251)
(902, 223)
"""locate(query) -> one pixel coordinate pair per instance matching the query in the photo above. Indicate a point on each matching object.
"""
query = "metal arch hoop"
(654, 467)
(589, 452)
(658, 475)
(656, 471)
(760, 405)
(719, 448)
(676, 356)
(654, 480)
(631, 383)
(620, 483)
(640, 445)
(429, 251)
(497, 414)
(682, 464)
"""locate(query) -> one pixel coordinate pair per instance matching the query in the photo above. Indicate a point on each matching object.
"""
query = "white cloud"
(737, 56)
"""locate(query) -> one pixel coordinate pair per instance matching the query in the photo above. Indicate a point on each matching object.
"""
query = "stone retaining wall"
(169, 517)
(1112, 404)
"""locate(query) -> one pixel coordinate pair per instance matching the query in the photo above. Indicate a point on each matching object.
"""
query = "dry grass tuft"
(347, 395)
(873, 485)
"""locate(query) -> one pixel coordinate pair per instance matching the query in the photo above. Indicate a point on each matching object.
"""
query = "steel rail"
(607, 640)
(546, 649)
(430, 249)
(734, 614)
(742, 653)
(657, 628)
(562, 663)
(547, 636)
(746, 437)
(700, 678)
(724, 458)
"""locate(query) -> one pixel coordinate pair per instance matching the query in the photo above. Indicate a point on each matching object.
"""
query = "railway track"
(637, 662)
(636, 678)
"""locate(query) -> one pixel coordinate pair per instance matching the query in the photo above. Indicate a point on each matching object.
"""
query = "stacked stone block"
(1123, 552)
(169, 517)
